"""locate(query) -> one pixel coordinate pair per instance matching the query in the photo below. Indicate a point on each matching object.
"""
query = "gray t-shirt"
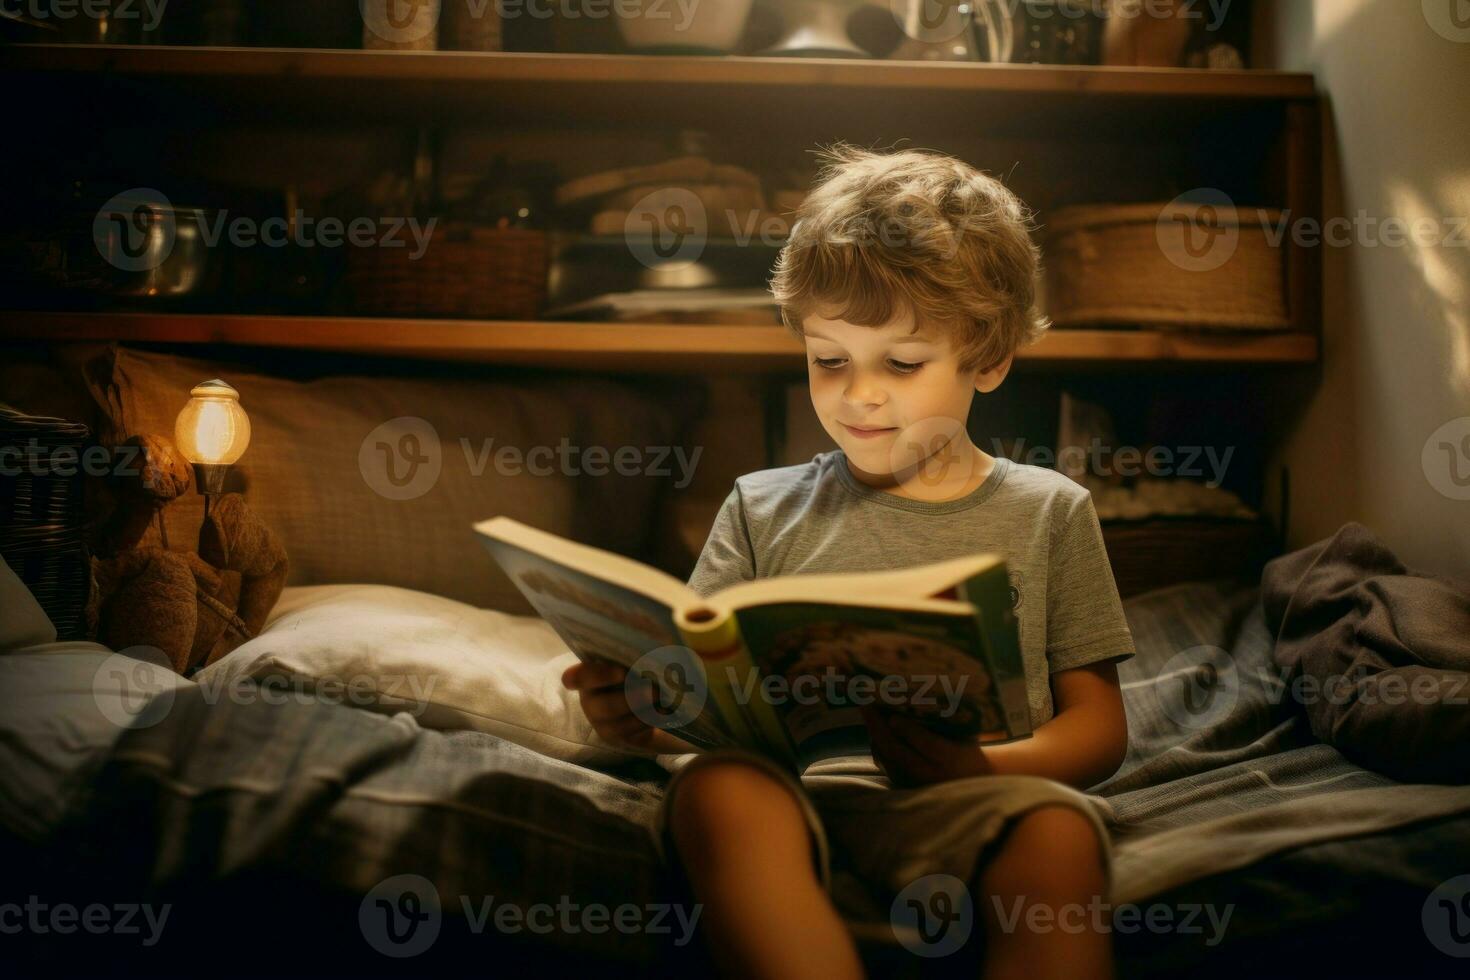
(818, 517)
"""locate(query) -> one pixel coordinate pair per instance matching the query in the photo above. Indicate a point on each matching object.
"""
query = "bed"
(404, 746)
(271, 812)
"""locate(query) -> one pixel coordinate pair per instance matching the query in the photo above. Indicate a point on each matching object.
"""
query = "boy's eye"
(830, 363)
(905, 367)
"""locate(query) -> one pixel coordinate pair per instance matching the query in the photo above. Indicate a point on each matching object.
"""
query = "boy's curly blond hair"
(913, 230)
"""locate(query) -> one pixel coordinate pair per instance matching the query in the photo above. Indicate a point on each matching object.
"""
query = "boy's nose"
(864, 392)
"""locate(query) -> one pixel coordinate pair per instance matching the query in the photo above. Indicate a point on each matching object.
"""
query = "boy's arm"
(1082, 745)
(1085, 741)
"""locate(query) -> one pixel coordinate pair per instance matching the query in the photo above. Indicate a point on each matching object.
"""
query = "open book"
(781, 665)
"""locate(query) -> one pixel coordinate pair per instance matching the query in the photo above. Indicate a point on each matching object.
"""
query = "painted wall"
(1385, 438)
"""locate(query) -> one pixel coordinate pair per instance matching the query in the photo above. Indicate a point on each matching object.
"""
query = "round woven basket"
(42, 527)
(1166, 265)
(466, 271)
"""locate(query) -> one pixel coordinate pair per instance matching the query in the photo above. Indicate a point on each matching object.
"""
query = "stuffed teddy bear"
(195, 607)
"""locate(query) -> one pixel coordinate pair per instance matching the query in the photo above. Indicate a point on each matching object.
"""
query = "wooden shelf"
(307, 65)
(620, 89)
(617, 346)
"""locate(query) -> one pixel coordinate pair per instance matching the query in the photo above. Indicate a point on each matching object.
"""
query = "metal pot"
(134, 247)
(155, 250)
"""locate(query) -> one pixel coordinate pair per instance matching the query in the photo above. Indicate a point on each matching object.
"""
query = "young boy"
(910, 278)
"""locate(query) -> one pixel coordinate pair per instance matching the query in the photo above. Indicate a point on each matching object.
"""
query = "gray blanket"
(1380, 654)
(1223, 774)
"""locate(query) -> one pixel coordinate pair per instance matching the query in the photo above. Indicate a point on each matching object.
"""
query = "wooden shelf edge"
(625, 346)
(467, 66)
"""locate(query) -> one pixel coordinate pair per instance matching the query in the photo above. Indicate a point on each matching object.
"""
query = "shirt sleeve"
(1084, 616)
(728, 557)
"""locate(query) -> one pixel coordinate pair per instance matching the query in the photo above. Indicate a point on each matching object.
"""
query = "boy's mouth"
(868, 432)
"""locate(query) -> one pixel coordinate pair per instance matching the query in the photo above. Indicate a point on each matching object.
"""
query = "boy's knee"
(732, 797)
(1063, 830)
(1050, 849)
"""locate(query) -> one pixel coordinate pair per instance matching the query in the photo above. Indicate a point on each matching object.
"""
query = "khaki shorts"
(890, 838)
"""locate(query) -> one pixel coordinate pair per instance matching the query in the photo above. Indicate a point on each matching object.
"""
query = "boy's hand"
(601, 687)
(913, 755)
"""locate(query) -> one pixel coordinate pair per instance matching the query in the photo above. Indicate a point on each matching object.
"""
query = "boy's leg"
(1052, 858)
(746, 849)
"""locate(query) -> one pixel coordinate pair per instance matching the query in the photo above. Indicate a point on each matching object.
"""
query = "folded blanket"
(1377, 655)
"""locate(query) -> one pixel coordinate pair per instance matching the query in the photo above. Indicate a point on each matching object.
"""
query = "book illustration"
(922, 677)
(829, 659)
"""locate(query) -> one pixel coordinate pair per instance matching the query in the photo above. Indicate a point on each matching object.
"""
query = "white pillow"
(62, 708)
(23, 622)
(448, 664)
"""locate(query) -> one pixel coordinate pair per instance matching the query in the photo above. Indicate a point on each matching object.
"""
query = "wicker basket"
(1166, 265)
(42, 527)
(1166, 551)
(469, 271)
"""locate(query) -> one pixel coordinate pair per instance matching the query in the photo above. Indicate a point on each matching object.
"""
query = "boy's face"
(890, 397)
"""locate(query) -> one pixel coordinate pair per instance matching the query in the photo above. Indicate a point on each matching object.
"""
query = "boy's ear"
(989, 379)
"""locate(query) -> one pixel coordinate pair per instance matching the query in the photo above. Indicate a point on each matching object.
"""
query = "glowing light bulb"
(212, 432)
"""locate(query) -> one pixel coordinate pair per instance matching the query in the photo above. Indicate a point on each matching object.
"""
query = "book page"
(907, 588)
(595, 562)
(599, 619)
